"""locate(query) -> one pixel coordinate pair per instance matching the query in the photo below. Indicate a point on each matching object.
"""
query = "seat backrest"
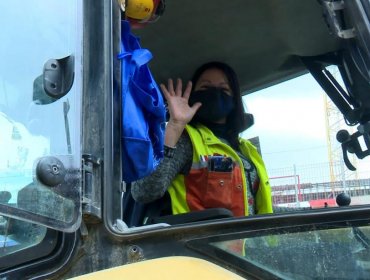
(160, 211)
(137, 214)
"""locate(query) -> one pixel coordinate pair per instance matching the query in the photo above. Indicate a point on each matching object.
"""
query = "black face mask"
(216, 104)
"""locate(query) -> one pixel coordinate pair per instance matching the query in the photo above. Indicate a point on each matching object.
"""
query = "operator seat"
(160, 211)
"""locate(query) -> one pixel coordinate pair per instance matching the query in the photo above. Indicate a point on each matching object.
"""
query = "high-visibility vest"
(211, 183)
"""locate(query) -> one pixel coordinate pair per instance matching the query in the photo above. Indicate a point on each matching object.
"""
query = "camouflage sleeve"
(156, 184)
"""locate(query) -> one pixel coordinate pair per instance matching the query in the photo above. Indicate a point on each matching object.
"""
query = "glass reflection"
(334, 253)
(34, 124)
(16, 235)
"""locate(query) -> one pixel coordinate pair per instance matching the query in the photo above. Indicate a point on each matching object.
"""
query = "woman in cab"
(206, 163)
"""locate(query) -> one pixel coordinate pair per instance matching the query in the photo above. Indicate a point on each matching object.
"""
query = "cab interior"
(266, 42)
(263, 40)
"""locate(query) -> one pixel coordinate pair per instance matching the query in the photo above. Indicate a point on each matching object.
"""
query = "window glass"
(16, 235)
(40, 90)
(332, 253)
(295, 128)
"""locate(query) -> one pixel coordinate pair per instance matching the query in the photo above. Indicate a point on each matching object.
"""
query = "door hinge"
(92, 175)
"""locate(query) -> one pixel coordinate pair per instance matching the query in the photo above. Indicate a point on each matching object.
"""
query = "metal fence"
(302, 185)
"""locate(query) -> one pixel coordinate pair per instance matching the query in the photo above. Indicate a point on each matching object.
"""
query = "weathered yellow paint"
(169, 268)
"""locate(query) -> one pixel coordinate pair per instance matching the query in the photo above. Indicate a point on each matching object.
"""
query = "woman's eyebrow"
(209, 82)
(224, 83)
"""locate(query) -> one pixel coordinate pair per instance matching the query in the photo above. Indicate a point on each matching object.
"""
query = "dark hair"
(236, 121)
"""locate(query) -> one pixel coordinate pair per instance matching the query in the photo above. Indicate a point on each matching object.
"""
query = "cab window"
(295, 129)
(39, 121)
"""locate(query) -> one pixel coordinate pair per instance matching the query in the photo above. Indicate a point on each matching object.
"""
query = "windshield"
(40, 89)
(333, 253)
(304, 252)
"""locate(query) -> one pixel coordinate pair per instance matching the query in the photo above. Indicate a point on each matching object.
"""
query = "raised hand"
(180, 111)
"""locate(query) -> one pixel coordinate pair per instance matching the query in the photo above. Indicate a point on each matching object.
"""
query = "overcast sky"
(290, 123)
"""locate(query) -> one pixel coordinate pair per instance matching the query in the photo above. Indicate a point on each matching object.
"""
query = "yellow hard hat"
(141, 12)
(139, 9)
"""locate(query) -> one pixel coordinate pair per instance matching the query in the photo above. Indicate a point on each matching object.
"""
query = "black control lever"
(351, 144)
(347, 142)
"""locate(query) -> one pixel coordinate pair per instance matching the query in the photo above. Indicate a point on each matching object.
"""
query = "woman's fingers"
(188, 90)
(178, 91)
(172, 90)
(196, 107)
(165, 91)
(170, 87)
(177, 100)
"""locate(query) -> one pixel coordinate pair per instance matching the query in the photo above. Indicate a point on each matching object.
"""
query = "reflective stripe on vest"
(202, 188)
